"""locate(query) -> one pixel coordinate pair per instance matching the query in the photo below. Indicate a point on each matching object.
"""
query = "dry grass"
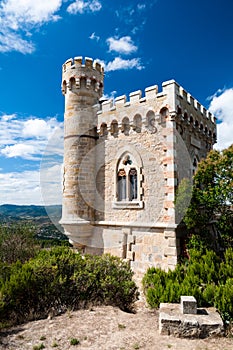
(102, 328)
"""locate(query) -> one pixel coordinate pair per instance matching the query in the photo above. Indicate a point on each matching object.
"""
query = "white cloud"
(29, 139)
(22, 150)
(37, 140)
(119, 63)
(21, 12)
(10, 41)
(27, 187)
(123, 45)
(141, 7)
(20, 188)
(81, 6)
(51, 183)
(93, 36)
(7, 117)
(18, 17)
(38, 128)
(222, 107)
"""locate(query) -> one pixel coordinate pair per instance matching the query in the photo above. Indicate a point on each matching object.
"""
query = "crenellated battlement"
(152, 92)
(79, 61)
(177, 102)
(135, 98)
(79, 72)
(186, 96)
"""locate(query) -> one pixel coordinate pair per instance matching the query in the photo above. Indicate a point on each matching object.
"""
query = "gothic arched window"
(128, 182)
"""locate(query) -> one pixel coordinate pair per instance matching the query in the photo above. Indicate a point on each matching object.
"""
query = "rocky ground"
(102, 328)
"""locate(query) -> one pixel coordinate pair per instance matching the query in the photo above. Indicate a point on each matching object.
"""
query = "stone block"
(130, 255)
(188, 304)
(170, 251)
(206, 323)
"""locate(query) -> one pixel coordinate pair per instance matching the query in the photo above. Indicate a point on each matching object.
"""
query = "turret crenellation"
(75, 71)
(78, 62)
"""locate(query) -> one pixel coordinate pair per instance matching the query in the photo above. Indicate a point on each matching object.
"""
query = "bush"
(204, 276)
(17, 242)
(59, 279)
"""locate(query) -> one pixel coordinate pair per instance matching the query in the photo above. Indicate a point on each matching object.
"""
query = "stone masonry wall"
(163, 134)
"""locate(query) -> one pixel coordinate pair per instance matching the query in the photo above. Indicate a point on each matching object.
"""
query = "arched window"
(72, 83)
(137, 123)
(103, 129)
(114, 128)
(64, 88)
(150, 119)
(125, 126)
(127, 179)
(164, 114)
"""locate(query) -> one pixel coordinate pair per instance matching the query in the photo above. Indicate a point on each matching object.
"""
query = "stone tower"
(82, 86)
(124, 162)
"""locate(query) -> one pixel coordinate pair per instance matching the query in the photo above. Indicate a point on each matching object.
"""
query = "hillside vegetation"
(44, 219)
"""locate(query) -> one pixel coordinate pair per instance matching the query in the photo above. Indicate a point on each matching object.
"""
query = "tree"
(209, 217)
(17, 242)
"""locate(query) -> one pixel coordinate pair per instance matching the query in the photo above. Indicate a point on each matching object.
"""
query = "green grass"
(74, 341)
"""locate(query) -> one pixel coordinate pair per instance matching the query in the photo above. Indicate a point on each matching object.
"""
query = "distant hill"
(45, 219)
(24, 211)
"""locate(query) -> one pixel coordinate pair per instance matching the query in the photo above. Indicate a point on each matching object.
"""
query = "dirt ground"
(102, 328)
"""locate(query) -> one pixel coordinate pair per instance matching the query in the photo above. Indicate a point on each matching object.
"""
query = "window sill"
(128, 205)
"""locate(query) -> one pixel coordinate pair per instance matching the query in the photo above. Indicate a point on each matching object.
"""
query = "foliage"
(74, 341)
(205, 276)
(17, 242)
(39, 347)
(183, 198)
(59, 279)
(209, 217)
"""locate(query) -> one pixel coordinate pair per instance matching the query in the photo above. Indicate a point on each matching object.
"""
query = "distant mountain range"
(29, 210)
(44, 218)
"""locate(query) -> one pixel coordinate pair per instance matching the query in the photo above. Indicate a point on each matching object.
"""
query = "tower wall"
(82, 85)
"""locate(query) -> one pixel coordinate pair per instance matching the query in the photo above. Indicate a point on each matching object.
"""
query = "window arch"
(64, 87)
(127, 179)
(137, 123)
(114, 128)
(71, 83)
(164, 112)
(150, 120)
(125, 126)
(103, 129)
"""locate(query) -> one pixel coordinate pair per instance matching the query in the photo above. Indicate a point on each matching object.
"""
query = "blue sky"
(141, 43)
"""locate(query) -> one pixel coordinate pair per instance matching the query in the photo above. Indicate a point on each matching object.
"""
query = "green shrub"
(17, 242)
(204, 276)
(74, 341)
(39, 347)
(59, 279)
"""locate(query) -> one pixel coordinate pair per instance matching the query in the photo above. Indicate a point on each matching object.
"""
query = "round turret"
(80, 77)
(82, 86)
